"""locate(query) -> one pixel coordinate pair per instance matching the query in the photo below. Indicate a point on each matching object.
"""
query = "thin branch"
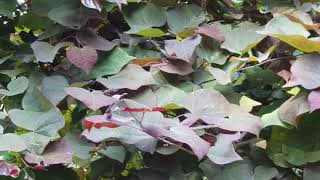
(264, 62)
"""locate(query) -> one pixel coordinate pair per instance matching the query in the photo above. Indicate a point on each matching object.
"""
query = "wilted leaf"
(94, 99)
(111, 63)
(183, 50)
(223, 151)
(56, 153)
(131, 77)
(84, 58)
(182, 18)
(45, 52)
(16, 86)
(88, 37)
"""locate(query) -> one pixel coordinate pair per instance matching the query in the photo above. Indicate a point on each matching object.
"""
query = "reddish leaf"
(175, 67)
(89, 37)
(211, 31)
(84, 58)
(39, 168)
(9, 170)
(56, 153)
(156, 109)
(314, 100)
(98, 122)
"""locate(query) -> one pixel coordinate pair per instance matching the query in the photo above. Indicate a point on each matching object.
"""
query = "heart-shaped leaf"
(84, 58)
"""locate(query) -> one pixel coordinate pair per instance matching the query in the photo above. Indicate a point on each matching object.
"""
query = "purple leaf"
(9, 170)
(314, 100)
(124, 134)
(89, 37)
(241, 121)
(84, 58)
(210, 106)
(131, 77)
(175, 67)
(305, 69)
(94, 100)
(118, 2)
(182, 134)
(93, 4)
(223, 151)
(211, 31)
(56, 153)
(183, 50)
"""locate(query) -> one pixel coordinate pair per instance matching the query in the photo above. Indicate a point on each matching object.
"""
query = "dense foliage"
(159, 89)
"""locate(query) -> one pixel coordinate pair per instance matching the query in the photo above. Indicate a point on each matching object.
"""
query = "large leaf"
(304, 69)
(45, 52)
(53, 88)
(242, 38)
(94, 99)
(131, 77)
(184, 17)
(84, 58)
(123, 134)
(223, 151)
(182, 134)
(144, 18)
(290, 110)
(112, 63)
(69, 16)
(56, 153)
(183, 50)
(88, 37)
(12, 142)
(45, 123)
(16, 86)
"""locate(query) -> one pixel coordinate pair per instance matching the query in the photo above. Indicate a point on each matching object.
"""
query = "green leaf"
(16, 86)
(42, 7)
(142, 19)
(182, 18)
(12, 142)
(210, 51)
(169, 96)
(69, 16)
(44, 123)
(53, 88)
(152, 32)
(36, 143)
(7, 7)
(80, 148)
(111, 63)
(115, 152)
(242, 38)
(265, 173)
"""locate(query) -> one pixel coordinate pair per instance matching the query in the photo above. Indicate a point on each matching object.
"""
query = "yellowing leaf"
(299, 42)
(152, 32)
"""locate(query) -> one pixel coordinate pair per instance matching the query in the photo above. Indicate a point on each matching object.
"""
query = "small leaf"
(93, 4)
(12, 142)
(16, 86)
(94, 99)
(84, 58)
(223, 151)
